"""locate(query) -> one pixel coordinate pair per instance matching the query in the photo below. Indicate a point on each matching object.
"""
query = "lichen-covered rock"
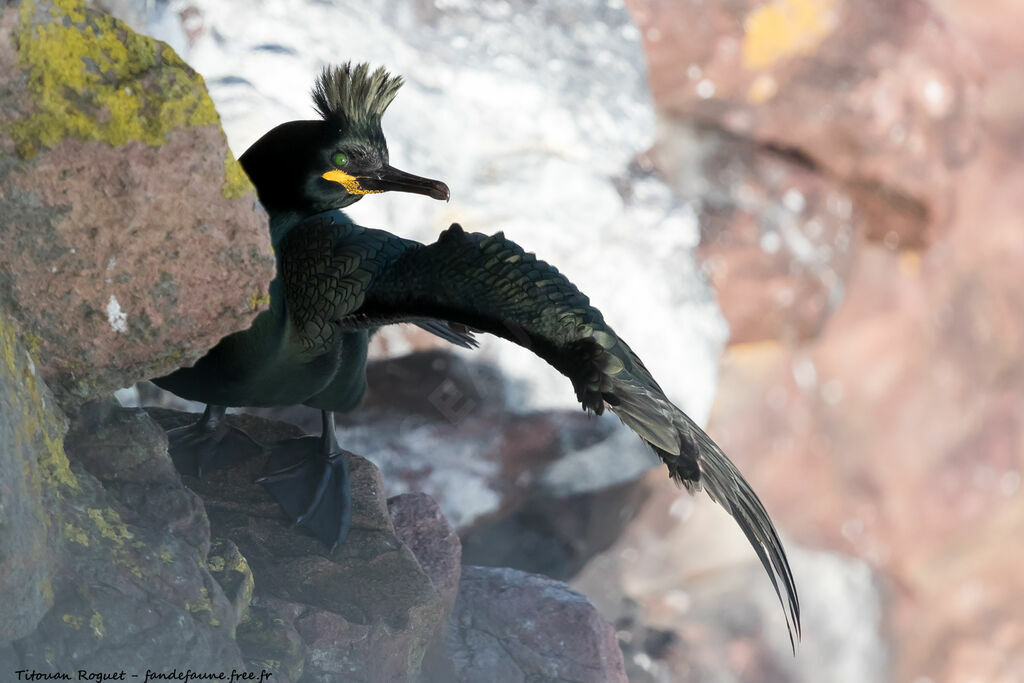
(34, 466)
(132, 587)
(132, 239)
(368, 611)
(513, 627)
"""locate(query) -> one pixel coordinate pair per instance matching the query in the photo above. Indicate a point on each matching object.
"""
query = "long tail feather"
(696, 462)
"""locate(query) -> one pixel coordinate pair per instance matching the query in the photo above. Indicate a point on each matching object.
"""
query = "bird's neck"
(283, 222)
(284, 216)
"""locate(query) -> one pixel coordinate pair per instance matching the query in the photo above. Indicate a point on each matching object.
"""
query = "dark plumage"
(337, 281)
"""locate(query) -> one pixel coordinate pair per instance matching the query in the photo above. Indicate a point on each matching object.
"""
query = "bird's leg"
(308, 477)
(209, 444)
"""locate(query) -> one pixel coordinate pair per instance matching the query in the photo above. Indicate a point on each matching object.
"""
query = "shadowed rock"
(370, 609)
(131, 544)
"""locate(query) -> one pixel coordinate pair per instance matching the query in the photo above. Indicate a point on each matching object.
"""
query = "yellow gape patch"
(349, 182)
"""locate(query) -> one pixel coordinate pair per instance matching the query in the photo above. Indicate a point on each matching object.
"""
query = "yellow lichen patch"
(93, 78)
(165, 556)
(55, 465)
(236, 562)
(258, 300)
(39, 430)
(73, 621)
(910, 264)
(107, 525)
(33, 341)
(7, 346)
(764, 88)
(784, 28)
(96, 624)
(75, 534)
(110, 526)
(203, 605)
(236, 182)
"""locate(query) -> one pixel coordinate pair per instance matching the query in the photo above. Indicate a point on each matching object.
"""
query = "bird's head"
(305, 167)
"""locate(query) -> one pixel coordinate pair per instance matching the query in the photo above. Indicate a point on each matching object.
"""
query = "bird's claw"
(200, 448)
(312, 488)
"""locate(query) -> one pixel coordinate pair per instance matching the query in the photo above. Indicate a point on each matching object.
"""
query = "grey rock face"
(509, 626)
(32, 461)
(131, 543)
(367, 612)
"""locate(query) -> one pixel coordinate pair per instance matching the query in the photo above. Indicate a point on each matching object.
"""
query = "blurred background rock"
(845, 174)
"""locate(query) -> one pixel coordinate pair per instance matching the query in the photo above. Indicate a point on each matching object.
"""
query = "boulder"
(132, 238)
(101, 544)
(35, 468)
(511, 627)
(370, 610)
(131, 548)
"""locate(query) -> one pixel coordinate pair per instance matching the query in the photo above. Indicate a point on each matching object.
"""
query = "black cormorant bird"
(338, 281)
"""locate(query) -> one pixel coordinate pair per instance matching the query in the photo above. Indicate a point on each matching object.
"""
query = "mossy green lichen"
(105, 525)
(73, 620)
(204, 605)
(231, 570)
(39, 429)
(258, 300)
(75, 534)
(96, 624)
(93, 78)
(236, 182)
(110, 526)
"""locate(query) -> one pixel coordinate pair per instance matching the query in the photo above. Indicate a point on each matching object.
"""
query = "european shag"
(337, 282)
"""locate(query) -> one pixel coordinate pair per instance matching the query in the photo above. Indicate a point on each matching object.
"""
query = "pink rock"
(777, 235)
(881, 94)
(132, 242)
(895, 435)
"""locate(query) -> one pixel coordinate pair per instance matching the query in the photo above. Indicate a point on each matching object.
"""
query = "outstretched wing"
(364, 278)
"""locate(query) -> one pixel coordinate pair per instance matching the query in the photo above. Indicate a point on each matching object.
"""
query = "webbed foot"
(210, 444)
(308, 477)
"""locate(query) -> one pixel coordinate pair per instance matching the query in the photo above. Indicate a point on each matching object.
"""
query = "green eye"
(339, 159)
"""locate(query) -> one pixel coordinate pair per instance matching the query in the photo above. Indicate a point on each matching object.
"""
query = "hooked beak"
(388, 179)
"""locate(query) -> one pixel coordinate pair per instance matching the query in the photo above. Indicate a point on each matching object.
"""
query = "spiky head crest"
(353, 97)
